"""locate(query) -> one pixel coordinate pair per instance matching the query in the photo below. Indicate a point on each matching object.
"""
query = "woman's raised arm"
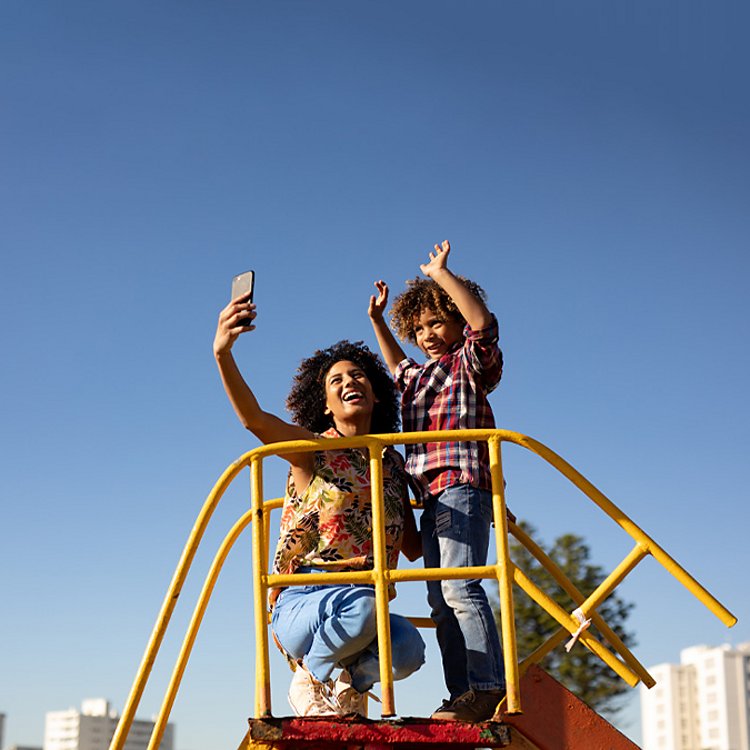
(267, 427)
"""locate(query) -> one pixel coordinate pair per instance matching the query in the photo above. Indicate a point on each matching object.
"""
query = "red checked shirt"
(450, 393)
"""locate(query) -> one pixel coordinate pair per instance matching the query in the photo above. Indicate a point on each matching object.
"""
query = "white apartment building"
(93, 726)
(702, 703)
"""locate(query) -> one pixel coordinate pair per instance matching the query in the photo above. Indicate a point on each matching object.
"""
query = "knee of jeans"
(457, 593)
(408, 655)
(363, 610)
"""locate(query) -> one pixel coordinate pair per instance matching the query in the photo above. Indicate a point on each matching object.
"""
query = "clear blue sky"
(588, 161)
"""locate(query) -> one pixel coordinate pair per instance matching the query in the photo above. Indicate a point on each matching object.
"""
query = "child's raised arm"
(472, 308)
(389, 347)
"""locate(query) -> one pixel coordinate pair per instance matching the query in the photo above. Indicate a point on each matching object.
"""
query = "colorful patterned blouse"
(329, 525)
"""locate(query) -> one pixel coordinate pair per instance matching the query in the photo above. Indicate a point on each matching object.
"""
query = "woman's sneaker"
(350, 700)
(308, 697)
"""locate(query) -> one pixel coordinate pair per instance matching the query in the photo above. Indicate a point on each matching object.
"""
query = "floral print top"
(329, 525)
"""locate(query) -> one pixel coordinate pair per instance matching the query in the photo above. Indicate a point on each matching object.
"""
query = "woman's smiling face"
(349, 395)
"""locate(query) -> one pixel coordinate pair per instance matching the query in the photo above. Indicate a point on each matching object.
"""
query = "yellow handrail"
(504, 571)
(612, 638)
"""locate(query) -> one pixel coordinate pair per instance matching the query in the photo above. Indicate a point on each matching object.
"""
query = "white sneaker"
(308, 697)
(350, 700)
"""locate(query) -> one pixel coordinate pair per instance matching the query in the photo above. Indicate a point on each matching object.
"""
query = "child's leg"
(325, 624)
(407, 656)
(449, 636)
(462, 528)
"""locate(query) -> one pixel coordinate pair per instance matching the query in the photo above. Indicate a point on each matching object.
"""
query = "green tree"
(580, 671)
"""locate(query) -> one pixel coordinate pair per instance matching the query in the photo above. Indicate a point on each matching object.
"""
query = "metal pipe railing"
(504, 572)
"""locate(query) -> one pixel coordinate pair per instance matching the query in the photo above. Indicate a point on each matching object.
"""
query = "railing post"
(380, 563)
(504, 579)
(260, 591)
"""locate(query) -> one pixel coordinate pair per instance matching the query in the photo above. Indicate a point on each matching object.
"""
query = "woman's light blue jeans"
(334, 626)
(455, 529)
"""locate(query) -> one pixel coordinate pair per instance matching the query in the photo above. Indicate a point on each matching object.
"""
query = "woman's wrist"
(222, 354)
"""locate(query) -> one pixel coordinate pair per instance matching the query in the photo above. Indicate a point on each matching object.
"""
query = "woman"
(326, 521)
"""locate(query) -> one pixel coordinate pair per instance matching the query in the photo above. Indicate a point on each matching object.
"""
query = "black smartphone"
(244, 283)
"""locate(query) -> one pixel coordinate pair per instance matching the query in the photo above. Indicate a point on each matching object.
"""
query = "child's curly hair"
(307, 399)
(421, 294)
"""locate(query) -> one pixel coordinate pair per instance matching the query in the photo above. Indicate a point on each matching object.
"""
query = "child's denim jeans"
(455, 529)
(330, 626)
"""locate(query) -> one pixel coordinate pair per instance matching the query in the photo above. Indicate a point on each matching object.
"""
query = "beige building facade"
(93, 726)
(702, 703)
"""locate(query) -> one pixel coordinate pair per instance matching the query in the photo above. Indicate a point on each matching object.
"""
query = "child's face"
(435, 334)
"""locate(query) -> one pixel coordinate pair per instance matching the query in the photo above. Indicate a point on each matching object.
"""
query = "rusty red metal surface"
(555, 719)
(337, 734)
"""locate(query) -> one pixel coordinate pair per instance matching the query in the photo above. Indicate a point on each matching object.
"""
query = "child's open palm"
(378, 305)
(438, 259)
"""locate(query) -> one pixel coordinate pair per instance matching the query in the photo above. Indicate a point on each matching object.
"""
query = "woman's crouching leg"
(346, 632)
(407, 650)
(324, 625)
(407, 647)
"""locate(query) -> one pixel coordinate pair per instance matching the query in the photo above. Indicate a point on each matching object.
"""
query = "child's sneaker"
(473, 705)
(439, 712)
(308, 697)
(350, 700)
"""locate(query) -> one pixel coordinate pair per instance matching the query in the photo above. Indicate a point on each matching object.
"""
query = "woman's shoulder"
(391, 455)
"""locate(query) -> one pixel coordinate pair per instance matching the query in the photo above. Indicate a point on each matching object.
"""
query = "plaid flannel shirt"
(450, 393)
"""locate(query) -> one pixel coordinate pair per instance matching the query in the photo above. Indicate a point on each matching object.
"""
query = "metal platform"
(366, 734)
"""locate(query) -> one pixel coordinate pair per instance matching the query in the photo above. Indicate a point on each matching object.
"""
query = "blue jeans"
(335, 626)
(455, 529)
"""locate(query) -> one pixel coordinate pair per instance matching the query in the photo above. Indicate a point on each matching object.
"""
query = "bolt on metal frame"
(503, 571)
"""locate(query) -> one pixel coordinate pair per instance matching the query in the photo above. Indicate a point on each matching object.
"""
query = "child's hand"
(377, 305)
(438, 260)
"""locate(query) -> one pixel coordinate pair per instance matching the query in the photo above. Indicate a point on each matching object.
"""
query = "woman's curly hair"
(421, 294)
(307, 399)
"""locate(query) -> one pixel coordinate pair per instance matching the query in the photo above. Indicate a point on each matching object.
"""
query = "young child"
(446, 317)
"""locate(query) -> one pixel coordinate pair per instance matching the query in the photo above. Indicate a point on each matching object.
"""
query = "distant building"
(2, 728)
(93, 726)
(702, 703)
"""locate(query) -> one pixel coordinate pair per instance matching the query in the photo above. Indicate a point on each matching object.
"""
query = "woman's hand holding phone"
(237, 317)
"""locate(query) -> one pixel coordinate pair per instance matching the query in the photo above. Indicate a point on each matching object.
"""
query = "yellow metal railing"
(504, 571)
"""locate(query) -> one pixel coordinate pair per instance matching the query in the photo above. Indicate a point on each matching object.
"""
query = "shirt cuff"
(401, 376)
(489, 334)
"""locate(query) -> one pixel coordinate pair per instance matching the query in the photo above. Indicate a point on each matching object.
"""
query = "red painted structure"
(554, 719)
(364, 734)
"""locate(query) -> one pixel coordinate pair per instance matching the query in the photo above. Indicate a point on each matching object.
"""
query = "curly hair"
(307, 399)
(425, 294)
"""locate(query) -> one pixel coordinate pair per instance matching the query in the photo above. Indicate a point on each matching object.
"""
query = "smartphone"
(244, 283)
